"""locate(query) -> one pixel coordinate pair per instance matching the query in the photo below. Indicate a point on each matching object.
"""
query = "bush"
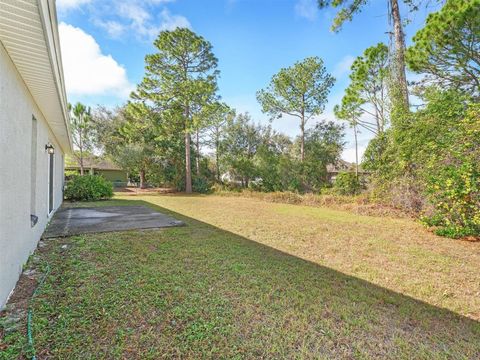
(454, 192)
(88, 188)
(453, 179)
(429, 163)
(285, 197)
(406, 193)
(347, 183)
(201, 185)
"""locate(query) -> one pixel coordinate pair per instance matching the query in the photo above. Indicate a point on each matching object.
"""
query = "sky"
(104, 43)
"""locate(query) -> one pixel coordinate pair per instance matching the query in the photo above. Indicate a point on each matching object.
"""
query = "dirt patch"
(24, 290)
(14, 317)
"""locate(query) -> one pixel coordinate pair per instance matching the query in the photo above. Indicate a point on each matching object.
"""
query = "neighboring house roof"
(93, 163)
(29, 33)
(342, 165)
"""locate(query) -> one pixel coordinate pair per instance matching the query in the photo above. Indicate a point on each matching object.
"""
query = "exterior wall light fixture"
(49, 149)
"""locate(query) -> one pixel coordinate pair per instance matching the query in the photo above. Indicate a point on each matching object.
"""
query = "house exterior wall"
(116, 177)
(24, 174)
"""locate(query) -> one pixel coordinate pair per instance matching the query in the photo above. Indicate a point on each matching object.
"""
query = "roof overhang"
(86, 167)
(29, 33)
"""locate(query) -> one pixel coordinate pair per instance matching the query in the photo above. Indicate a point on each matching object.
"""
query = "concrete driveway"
(75, 221)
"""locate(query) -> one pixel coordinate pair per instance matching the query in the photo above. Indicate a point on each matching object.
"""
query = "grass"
(251, 279)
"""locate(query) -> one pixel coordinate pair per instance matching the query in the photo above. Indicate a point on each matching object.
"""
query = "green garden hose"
(30, 312)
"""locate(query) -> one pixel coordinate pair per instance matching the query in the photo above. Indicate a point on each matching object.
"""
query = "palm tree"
(81, 116)
(349, 111)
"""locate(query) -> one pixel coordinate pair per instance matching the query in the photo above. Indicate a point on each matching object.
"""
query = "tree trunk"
(197, 158)
(302, 140)
(143, 183)
(81, 153)
(217, 165)
(356, 148)
(399, 59)
(377, 119)
(382, 110)
(188, 164)
(81, 163)
(188, 167)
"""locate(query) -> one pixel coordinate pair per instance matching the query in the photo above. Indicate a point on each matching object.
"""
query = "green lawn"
(250, 279)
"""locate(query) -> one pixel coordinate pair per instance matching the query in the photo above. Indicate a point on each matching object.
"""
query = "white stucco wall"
(17, 238)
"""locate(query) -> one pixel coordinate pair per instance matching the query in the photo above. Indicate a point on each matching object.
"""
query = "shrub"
(88, 188)
(201, 185)
(429, 163)
(226, 188)
(347, 183)
(453, 181)
(455, 193)
(407, 193)
(286, 197)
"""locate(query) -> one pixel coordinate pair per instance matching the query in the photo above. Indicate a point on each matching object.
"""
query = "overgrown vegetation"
(348, 183)
(452, 172)
(426, 161)
(88, 188)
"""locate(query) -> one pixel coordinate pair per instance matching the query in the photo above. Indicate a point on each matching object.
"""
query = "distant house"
(230, 178)
(34, 131)
(99, 166)
(342, 166)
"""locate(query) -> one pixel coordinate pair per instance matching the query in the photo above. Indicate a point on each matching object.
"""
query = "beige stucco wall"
(17, 238)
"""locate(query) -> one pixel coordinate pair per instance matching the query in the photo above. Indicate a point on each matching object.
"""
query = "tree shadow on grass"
(282, 306)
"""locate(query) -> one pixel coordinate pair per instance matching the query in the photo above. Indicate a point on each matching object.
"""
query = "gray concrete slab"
(75, 221)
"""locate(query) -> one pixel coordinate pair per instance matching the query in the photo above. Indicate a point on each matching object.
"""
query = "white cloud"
(141, 18)
(113, 28)
(230, 5)
(343, 67)
(156, 2)
(307, 9)
(70, 4)
(171, 22)
(142, 22)
(87, 70)
(134, 12)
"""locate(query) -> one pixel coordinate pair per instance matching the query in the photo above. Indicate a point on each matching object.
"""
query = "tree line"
(176, 131)
(424, 153)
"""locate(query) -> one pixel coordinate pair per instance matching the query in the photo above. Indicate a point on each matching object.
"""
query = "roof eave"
(48, 14)
(29, 34)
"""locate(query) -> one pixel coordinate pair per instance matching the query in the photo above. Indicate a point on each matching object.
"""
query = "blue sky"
(104, 43)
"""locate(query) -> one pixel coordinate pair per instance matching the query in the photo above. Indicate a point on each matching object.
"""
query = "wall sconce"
(49, 149)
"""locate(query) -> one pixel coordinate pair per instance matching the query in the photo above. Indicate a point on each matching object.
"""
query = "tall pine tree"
(179, 78)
